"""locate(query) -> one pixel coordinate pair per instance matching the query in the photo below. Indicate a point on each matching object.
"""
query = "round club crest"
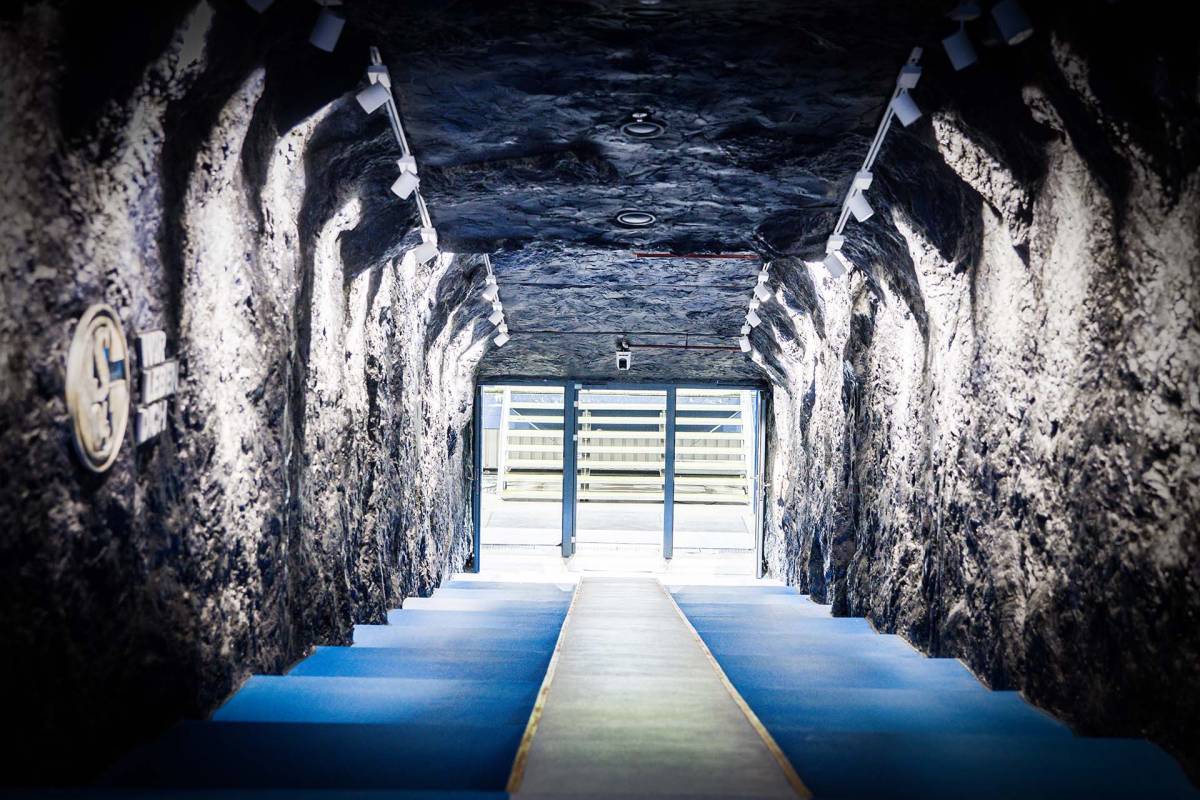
(98, 387)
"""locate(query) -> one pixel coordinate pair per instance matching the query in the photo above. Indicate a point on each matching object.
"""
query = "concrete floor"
(637, 708)
(532, 523)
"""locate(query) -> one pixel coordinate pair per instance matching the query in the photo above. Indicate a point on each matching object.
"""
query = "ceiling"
(514, 111)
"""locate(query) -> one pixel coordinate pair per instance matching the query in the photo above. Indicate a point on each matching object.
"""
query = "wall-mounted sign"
(160, 380)
(98, 387)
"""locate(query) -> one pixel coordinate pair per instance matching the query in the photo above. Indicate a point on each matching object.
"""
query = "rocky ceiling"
(515, 113)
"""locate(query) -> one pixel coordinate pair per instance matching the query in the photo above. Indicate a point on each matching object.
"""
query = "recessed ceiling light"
(632, 218)
(641, 126)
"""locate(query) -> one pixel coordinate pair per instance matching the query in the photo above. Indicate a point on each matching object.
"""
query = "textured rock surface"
(987, 442)
(517, 110)
(313, 471)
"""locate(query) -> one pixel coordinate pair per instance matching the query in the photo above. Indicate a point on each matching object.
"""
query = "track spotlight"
(327, 31)
(408, 181)
(746, 329)
(501, 339)
(753, 319)
(744, 344)
(862, 180)
(496, 317)
(372, 97)
(1011, 21)
(959, 49)
(259, 5)
(910, 74)
(763, 275)
(859, 206)
(836, 264)
(835, 242)
(906, 109)
(762, 292)
(428, 248)
(490, 292)
(502, 327)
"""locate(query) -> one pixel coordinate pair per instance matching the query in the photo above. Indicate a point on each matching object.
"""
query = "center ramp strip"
(635, 706)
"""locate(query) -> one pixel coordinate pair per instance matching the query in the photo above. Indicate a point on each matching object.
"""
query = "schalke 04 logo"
(98, 387)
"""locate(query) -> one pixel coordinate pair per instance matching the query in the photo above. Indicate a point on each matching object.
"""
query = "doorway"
(619, 477)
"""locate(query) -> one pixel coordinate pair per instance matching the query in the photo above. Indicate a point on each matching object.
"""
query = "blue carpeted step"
(829, 668)
(417, 662)
(379, 701)
(783, 645)
(792, 609)
(479, 619)
(479, 605)
(449, 640)
(734, 591)
(801, 626)
(842, 766)
(517, 595)
(507, 586)
(212, 755)
(931, 710)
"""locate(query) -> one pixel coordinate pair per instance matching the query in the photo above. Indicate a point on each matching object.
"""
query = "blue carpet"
(448, 640)
(863, 715)
(379, 701)
(398, 662)
(437, 701)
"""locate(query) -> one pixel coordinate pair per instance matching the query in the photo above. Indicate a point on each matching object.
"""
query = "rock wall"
(312, 474)
(986, 438)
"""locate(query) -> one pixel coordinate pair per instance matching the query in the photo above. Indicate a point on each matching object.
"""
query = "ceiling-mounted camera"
(624, 355)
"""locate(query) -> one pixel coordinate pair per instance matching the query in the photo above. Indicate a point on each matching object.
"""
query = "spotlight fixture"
(763, 275)
(746, 329)
(490, 292)
(496, 317)
(762, 292)
(501, 339)
(752, 319)
(259, 5)
(632, 218)
(641, 126)
(408, 181)
(744, 344)
(835, 242)
(373, 97)
(836, 264)
(428, 248)
(863, 179)
(906, 109)
(910, 74)
(959, 49)
(327, 30)
(1012, 22)
(502, 327)
(859, 206)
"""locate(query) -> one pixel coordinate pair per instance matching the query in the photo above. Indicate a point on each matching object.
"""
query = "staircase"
(863, 715)
(436, 700)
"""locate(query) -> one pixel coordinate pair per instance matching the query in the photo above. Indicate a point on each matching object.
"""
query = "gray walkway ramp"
(637, 707)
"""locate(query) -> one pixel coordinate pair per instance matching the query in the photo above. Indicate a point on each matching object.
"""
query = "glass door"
(715, 458)
(620, 479)
(521, 466)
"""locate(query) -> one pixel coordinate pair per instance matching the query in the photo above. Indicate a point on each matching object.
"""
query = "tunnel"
(600, 398)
